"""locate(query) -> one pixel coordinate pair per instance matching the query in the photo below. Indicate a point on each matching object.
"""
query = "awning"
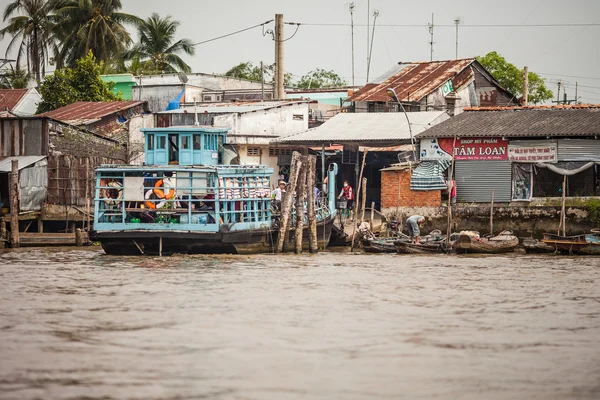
(428, 175)
(24, 162)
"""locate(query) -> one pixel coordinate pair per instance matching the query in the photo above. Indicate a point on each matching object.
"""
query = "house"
(120, 121)
(56, 164)
(521, 153)
(122, 84)
(252, 127)
(19, 102)
(436, 85)
(160, 90)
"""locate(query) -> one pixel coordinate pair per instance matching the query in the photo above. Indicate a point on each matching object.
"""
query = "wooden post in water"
(362, 169)
(450, 187)
(286, 206)
(301, 190)
(563, 217)
(3, 235)
(313, 244)
(372, 219)
(492, 214)
(14, 204)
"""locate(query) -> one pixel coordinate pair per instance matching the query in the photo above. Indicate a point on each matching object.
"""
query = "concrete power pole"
(525, 85)
(279, 76)
(351, 6)
(431, 39)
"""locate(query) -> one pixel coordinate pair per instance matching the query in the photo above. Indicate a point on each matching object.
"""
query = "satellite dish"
(182, 77)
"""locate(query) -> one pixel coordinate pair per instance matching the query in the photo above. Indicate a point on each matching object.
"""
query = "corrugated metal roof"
(24, 161)
(367, 127)
(89, 110)
(521, 122)
(241, 107)
(9, 98)
(416, 80)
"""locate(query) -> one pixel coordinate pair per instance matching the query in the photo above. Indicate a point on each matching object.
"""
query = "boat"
(585, 244)
(189, 198)
(535, 246)
(470, 243)
(432, 243)
(381, 245)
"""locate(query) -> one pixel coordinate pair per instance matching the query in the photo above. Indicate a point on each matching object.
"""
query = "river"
(80, 324)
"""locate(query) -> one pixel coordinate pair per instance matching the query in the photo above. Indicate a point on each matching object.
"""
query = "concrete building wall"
(136, 137)
(391, 199)
(208, 81)
(159, 96)
(27, 106)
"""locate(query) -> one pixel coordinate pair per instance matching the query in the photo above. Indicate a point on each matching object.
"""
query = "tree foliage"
(30, 24)
(247, 70)
(82, 83)
(320, 78)
(511, 78)
(15, 78)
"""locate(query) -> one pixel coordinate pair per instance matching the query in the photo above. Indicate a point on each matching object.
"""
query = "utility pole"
(351, 6)
(525, 85)
(279, 91)
(375, 15)
(431, 39)
(558, 94)
(576, 98)
(368, 16)
(262, 82)
(456, 22)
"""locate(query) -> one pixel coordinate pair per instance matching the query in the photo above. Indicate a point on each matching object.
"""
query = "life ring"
(166, 183)
(109, 194)
(152, 204)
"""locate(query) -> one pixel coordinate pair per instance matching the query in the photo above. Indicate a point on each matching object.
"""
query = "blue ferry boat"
(187, 198)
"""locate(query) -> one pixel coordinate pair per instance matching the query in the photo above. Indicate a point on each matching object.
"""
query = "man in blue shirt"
(413, 224)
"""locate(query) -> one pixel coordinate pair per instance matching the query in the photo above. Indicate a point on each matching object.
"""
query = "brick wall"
(407, 198)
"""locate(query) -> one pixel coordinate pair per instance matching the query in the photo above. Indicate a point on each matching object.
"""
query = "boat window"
(185, 142)
(150, 139)
(162, 143)
(197, 142)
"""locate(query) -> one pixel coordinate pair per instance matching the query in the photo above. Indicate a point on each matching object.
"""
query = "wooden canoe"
(502, 243)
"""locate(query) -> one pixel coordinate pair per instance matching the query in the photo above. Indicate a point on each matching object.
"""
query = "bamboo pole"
(363, 200)
(3, 235)
(362, 169)
(286, 205)
(492, 214)
(14, 205)
(313, 244)
(372, 219)
(563, 217)
(301, 189)
(450, 187)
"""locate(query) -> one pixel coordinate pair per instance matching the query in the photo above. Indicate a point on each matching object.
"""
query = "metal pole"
(412, 142)
(456, 21)
(262, 82)
(431, 39)
(375, 15)
(368, 15)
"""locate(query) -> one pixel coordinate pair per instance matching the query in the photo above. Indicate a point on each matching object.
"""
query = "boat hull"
(153, 242)
(498, 244)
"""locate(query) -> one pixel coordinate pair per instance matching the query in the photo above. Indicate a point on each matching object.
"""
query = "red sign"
(476, 148)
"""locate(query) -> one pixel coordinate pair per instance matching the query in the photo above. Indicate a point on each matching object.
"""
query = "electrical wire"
(232, 33)
(585, 24)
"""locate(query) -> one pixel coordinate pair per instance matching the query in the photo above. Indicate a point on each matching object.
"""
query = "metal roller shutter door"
(475, 180)
(578, 150)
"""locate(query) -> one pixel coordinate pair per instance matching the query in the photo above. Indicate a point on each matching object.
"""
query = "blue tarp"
(174, 104)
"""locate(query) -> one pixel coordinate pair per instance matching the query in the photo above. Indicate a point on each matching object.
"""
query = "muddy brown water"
(80, 324)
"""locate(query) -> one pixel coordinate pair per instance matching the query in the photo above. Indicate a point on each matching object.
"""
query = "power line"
(466, 26)
(568, 76)
(233, 33)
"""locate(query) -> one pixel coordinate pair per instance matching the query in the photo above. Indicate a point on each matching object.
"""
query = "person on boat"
(277, 195)
(451, 190)
(413, 223)
(348, 193)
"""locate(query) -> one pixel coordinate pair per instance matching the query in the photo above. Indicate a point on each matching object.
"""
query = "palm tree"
(156, 49)
(31, 32)
(95, 25)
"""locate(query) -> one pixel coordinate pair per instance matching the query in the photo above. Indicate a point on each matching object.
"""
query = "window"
(274, 151)
(253, 151)
(162, 143)
(185, 142)
(197, 142)
(150, 139)
(299, 117)
(207, 98)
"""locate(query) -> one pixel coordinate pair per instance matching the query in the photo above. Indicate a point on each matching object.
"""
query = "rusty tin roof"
(9, 98)
(416, 80)
(83, 111)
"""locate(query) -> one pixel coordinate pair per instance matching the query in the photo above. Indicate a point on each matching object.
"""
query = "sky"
(564, 48)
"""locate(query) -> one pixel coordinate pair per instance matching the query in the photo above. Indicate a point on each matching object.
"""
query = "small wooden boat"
(432, 243)
(502, 243)
(535, 246)
(381, 245)
(565, 244)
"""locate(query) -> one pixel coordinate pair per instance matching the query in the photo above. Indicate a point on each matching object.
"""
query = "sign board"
(447, 87)
(464, 149)
(532, 154)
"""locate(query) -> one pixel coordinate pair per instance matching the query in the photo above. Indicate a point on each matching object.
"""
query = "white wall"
(136, 137)
(27, 106)
(208, 81)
